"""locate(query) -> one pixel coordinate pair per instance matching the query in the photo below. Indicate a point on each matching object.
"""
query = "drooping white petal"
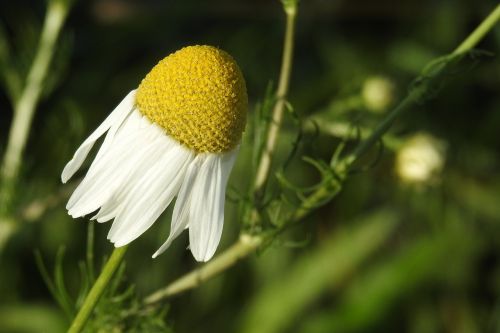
(109, 172)
(207, 205)
(142, 163)
(141, 182)
(136, 143)
(115, 118)
(151, 196)
(180, 216)
(97, 186)
(150, 143)
(133, 122)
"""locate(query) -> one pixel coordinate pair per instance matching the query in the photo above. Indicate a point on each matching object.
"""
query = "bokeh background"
(412, 243)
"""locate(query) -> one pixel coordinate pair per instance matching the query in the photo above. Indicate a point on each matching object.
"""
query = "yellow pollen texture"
(198, 95)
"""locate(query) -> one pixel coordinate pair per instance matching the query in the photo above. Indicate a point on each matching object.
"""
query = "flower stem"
(97, 290)
(24, 106)
(343, 131)
(377, 133)
(243, 247)
(478, 34)
(281, 95)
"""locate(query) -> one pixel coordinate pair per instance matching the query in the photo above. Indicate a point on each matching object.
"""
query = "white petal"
(134, 146)
(140, 164)
(207, 206)
(116, 117)
(98, 186)
(180, 216)
(130, 126)
(138, 121)
(106, 175)
(135, 189)
(151, 196)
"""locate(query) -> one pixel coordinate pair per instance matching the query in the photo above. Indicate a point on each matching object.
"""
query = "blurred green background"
(412, 243)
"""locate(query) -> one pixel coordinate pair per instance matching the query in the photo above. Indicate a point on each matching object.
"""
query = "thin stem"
(228, 258)
(89, 256)
(243, 247)
(331, 188)
(478, 34)
(97, 290)
(24, 107)
(377, 133)
(344, 131)
(37, 208)
(279, 107)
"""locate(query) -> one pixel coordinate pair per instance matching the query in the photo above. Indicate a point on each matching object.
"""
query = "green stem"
(24, 107)
(279, 107)
(378, 132)
(478, 34)
(328, 190)
(344, 131)
(90, 251)
(97, 290)
(243, 247)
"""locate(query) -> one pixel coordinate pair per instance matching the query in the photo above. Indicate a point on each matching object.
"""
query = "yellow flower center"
(198, 95)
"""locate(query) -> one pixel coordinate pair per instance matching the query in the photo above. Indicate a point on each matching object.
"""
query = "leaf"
(60, 285)
(51, 285)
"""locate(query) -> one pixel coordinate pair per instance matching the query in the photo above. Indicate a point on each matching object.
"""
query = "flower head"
(198, 96)
(421, 159)
(377, 93)
(177, 135)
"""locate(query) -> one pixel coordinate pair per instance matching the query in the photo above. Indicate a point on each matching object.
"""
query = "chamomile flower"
(177, 135)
